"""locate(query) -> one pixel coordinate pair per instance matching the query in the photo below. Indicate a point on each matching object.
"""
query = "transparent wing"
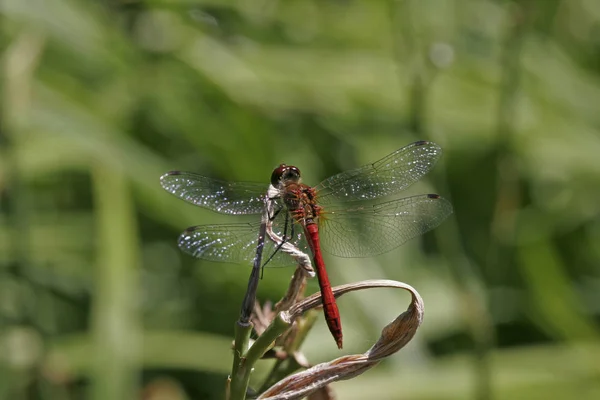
(237, 243)
(374, 229)
(387, 176)
(220, 196)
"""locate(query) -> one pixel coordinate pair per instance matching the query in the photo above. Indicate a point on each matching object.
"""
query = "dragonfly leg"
(284, 239)
(284, 245)
(275, 214)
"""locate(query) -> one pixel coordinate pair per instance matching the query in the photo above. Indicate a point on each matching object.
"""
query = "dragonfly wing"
(233, 243)
(387, 176)
(375, 229)
(220, 196)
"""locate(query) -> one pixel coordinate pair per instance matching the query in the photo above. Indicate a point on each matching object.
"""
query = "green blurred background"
(102, 97)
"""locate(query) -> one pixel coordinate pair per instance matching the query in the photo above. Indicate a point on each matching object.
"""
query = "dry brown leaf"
(393, 337)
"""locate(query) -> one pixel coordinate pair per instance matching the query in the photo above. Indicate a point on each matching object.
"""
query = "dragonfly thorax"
(301, 203)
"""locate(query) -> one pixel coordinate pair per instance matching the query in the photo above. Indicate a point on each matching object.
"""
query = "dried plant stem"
(393, 337)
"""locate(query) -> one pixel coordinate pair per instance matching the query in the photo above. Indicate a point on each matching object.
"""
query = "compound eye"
(285, 173)
(292, 174)
(278, 174)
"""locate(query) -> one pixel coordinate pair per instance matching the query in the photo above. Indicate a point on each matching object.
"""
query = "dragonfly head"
(285, 173)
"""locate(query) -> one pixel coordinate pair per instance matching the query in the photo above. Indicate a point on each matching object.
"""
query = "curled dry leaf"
(393, 337)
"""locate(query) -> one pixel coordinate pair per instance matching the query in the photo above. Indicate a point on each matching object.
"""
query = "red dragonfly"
(338, 215)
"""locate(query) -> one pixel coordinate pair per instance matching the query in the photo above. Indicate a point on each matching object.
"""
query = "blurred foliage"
(102, 97)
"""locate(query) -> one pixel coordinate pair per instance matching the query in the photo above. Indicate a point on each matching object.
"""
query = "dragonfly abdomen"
(330, 308)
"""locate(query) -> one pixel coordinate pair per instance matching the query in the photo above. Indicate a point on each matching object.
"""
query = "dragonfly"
(343, 215)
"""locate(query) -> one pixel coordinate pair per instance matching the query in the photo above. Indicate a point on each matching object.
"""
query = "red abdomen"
(330, 309)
